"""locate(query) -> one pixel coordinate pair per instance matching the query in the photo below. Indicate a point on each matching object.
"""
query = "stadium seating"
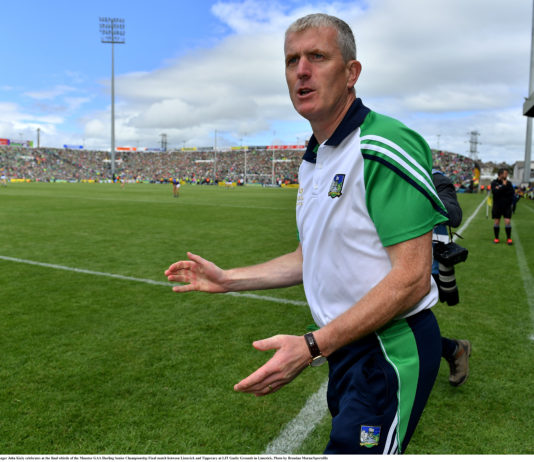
(198, 167)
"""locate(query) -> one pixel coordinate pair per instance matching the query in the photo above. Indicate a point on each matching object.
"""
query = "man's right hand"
(198, 274)
(204, 276)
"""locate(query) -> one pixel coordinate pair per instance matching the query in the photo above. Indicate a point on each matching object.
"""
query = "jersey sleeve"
(400, 196)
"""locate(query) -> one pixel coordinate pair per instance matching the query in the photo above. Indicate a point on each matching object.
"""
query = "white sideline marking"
(296, 431)
(526, 275)
(163, 202)
(267, 298)
(146, 281)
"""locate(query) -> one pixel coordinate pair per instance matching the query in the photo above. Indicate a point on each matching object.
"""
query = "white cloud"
(76, 77)
(94, 128)
(58, 90)
(446, 66)
(75, 102)
(14, 123)
(233, 87)
(251, 17)
(49, 111)
(462, 97)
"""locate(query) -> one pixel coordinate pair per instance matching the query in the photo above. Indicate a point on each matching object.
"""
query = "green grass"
(97, 365)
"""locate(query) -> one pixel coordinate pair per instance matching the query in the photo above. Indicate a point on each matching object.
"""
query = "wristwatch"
(316, 357)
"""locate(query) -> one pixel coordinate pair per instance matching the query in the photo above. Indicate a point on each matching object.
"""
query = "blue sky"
(51, 39)
(189, 69)
(56, 63)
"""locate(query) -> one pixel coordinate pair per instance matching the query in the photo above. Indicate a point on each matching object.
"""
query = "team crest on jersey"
(337, 186)
(369, 436)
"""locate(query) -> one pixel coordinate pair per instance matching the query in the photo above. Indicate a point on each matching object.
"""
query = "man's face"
(318, 79)
(504, 175)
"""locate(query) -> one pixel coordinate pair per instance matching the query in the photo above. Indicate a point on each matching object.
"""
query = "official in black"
(503, 198)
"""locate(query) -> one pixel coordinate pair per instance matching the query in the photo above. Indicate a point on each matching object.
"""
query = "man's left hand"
(291, 358)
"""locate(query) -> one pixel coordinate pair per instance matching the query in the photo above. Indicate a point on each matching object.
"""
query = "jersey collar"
(352, 120)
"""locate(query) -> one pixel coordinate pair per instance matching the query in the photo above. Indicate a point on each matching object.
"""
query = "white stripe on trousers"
(392, 435)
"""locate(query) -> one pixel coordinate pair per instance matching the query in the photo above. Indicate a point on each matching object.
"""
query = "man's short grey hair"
(345, 37)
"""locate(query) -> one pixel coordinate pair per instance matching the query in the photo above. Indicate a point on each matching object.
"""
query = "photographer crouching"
(455, 352)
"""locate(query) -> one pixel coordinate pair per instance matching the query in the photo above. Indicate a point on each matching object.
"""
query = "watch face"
(318, 361)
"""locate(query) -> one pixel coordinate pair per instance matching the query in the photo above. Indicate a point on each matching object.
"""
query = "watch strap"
(312, 345)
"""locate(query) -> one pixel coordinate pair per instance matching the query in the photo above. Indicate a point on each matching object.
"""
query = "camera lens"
(448, 290)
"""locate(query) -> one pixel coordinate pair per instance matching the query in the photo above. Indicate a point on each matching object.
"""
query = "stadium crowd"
(196, 167)
(457, 167)
(50, 164)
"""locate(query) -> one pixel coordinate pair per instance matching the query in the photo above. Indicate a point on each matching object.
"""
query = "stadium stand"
(49, 164)
(457, 167)
(197, 167)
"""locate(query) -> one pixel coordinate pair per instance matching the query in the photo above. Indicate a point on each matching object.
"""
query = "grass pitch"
(91, 364)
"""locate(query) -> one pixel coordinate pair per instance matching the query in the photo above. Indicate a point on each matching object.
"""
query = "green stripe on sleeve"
(400, 196)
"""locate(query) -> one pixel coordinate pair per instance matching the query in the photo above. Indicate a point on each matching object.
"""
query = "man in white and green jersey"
(367, 188)
(364, 189)
(366, 208)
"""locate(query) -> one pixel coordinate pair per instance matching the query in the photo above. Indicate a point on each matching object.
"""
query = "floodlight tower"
(215, 157)
(528, 109)
(473, 143)
(245, 149)
(112, 31)
(272, 173)
(163, 142)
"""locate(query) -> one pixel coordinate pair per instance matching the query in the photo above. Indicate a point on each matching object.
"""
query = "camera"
(448, 255)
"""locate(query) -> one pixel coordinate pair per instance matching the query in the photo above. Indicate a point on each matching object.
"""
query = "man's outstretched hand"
(198, 274)
(291, 358)
(292, 354)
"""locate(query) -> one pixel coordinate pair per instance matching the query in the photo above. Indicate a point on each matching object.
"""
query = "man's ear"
(354, 69)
